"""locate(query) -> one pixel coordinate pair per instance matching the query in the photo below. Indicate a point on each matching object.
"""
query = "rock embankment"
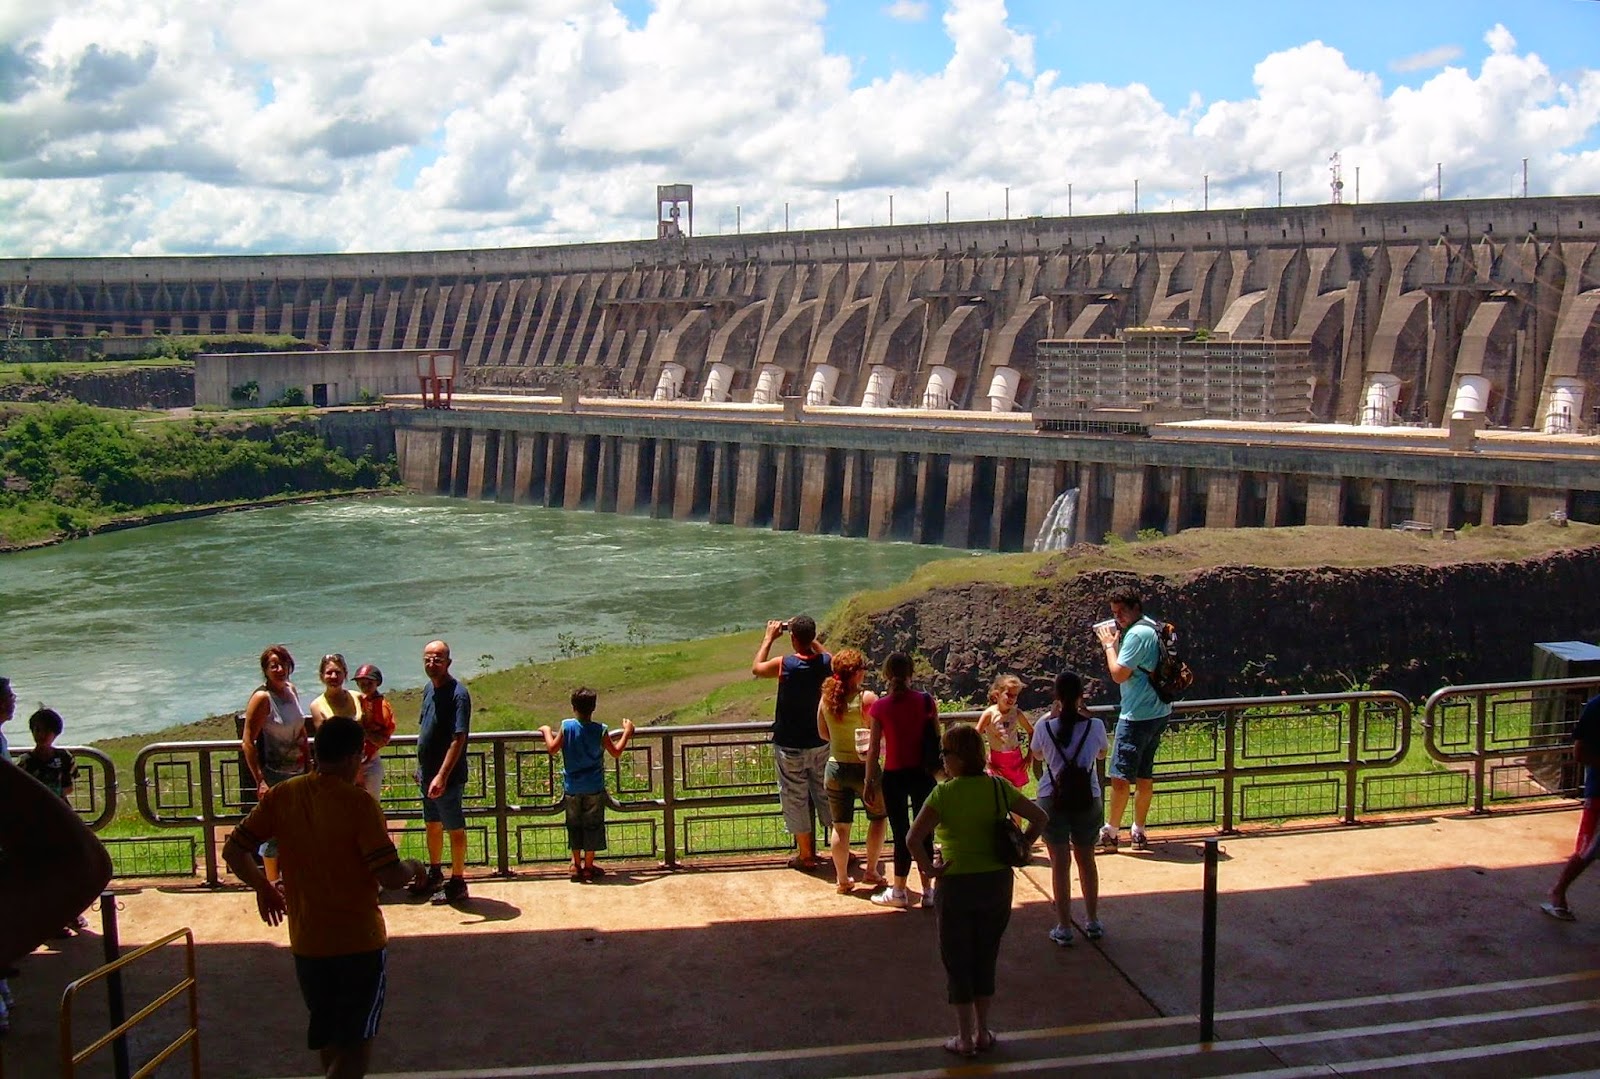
(1251, 631)
(133, 388)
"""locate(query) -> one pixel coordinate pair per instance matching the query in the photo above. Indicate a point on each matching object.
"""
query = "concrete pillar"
(577, 465)
(747, 485)
(855, 508)
(685, 471)
(477, 463)
(724, 482)
(1491, 505)
(1324, 500)
(555, 469)
(523, 484)
(1088, 487)
(627, 475)
(1274, 512)
(786, 492)
(605, 480)
(417, 452)
(1542, 503)
(505, 486)
(813, 486)
(1432, 504)
(932, 470)
(663, 487)
(1176, 500)
(958, 503)
(1378, 504)
(1127, 500)
(1222, 500)
(880, 508)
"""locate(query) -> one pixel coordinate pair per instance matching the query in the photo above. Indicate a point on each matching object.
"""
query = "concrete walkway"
(761, 971)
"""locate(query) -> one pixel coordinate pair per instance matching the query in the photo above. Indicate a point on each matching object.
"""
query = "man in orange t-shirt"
(334, 853)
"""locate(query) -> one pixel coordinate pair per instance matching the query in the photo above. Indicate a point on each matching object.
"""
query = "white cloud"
(1438, 56)
(166, 126)
(907, 10)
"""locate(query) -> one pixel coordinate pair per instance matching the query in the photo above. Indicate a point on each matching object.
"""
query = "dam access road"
(1383, 948)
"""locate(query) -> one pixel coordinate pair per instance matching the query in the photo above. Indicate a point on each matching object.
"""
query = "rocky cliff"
(1250, 631)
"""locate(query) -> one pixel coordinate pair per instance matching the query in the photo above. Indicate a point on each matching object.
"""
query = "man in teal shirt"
(1132, 652)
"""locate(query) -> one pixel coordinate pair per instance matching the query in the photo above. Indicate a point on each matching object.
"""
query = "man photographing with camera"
(800, 754)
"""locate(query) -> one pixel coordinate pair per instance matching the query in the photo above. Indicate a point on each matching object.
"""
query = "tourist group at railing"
(947, 796)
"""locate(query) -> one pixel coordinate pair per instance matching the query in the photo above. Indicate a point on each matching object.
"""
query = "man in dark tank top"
(801, 755)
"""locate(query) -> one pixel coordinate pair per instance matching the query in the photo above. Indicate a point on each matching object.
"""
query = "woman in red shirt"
(899, 720)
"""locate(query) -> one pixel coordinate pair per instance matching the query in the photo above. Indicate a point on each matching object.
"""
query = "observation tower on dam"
(1336, 364)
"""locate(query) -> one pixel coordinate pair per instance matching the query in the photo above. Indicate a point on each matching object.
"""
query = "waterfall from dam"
(1055, 534)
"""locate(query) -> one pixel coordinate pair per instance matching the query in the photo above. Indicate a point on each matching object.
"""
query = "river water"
(134, 631)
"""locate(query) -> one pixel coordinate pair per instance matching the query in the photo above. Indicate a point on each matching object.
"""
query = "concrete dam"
(881, 381)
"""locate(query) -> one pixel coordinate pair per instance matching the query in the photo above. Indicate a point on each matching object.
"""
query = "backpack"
(1073, 793)
(1171, 677)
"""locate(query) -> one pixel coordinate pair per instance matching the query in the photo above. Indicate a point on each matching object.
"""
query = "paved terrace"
(758, 971)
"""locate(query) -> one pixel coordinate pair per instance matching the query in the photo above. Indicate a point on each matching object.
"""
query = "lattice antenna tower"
(1336, 181)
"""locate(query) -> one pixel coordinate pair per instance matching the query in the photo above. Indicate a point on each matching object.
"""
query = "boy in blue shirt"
(583, 743)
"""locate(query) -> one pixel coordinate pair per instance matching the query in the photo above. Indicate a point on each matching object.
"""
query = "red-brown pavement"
(756, 959)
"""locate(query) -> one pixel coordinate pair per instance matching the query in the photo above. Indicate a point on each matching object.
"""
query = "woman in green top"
(973, 900)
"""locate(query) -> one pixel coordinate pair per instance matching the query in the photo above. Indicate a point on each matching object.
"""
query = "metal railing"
(71, 1059)
(709, 791)
(1515, 737)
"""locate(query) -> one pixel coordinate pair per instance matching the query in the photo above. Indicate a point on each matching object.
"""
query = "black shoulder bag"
(1011, 847)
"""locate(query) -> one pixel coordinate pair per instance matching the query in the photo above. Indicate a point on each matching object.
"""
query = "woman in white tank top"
(274, 745)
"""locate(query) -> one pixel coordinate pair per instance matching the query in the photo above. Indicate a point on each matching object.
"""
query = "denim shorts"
(1080, 829)
(445, 809)
(1134, 755)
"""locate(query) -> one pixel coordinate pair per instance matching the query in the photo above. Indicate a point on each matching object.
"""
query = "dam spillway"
(1427, 308)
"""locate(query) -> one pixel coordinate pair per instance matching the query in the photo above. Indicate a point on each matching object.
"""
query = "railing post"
(501, 810)
(1208, 947)
(116, 1009)
(1479, 750)
(669, 805)
(208, 825)
(1228, 746)
(1352, 757)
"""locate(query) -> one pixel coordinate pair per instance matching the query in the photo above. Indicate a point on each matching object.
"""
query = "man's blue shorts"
(1134, 754)
(445, 809)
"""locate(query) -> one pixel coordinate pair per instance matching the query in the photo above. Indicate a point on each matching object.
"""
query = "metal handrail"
(171, 795)
(71, 1059)
(1486, 701)
(99, 805)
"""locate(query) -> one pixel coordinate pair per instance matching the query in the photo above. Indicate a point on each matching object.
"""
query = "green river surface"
(134, 631)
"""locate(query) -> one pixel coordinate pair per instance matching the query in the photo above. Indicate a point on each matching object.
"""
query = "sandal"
(960, 1048)
(845, 887)
(986, 1040)
(594, 871)
(874, 880)
(576, 876)
(1559, 911)
(800, 861)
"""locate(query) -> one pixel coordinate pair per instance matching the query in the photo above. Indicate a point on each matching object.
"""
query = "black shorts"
(344, 994)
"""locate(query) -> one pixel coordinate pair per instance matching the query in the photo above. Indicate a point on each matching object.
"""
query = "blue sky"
(166, 126)
(1178, 49)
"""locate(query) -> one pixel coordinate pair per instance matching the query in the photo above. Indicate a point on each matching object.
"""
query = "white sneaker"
(1107, 843)
(892, 897)
(1062, 935)
(927, 898)
(1139, 840)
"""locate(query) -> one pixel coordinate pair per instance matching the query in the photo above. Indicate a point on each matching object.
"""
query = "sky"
(145, 127)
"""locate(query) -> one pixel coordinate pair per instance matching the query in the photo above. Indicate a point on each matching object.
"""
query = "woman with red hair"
(841, 720)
